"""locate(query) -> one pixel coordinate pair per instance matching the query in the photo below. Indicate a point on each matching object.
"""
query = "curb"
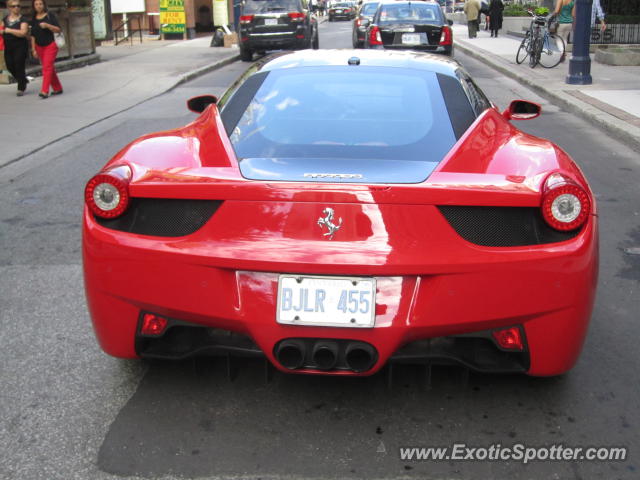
(617, 128)
(182, 79)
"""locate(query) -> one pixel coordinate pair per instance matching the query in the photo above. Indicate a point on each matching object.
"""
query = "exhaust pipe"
(291, 354)
(360, 356)
(325, 355)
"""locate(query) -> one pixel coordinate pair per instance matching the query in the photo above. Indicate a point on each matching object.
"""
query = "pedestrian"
(44, 25)
(495, 16)
(597, 14)
(15, 30)
(565, 11)
(472, 11)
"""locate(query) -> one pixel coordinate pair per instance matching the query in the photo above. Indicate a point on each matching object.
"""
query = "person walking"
(495, 16)
(472, 11)
(565, 11)
(597, 14)
(44, 25)
(16, 46)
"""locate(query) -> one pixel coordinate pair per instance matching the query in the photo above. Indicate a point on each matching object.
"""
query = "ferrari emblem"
(327, 221)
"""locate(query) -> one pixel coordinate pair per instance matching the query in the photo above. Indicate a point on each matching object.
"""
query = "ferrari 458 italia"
(337, 211)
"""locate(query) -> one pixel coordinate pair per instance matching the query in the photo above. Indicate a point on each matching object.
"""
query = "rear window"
(369, 9)
(266, 6)
(342, 5)
(410, 12)
(345, 112)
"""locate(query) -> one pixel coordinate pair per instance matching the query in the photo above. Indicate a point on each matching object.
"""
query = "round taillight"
(565, 205)
(107, 194)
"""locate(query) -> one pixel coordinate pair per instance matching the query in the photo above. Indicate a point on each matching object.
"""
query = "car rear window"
(369, 8)
(410, 13)
(345, 112)
(265, 6)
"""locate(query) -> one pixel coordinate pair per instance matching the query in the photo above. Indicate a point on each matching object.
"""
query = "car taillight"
(346, 10)
(565, 205)
(446, 38)
(296, 16)
(358, 22)
(374, 36)
(246, 19)
(107, 194)
(509, 338)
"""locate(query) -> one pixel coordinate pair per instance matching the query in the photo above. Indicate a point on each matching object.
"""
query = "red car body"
(431, 283)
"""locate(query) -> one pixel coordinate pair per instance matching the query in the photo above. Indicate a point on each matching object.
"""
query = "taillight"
(374, 36)
(107, 194)
(296, 16)
(565, 205)
(509, 338)
(246, 19)
(358, 22)
(347, 10)
(446, 37)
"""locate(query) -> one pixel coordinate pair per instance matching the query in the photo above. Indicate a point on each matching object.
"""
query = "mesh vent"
(163, 217)
(502, 226)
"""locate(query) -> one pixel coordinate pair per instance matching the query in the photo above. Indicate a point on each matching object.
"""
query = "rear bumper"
(549, 290)
(439, 49)
(274, 41)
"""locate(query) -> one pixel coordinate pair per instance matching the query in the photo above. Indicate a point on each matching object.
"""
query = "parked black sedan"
(276, 24)
(410, 26)
(346, 10)
(364, 16)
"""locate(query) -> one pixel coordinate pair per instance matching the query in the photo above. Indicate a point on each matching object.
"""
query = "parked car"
(338, 210)
(410, 25)
(274, 25)
(342, 10)
(361, 22)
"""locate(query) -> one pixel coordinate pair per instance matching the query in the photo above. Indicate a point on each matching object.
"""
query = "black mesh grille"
(502, 226)
(163, 217)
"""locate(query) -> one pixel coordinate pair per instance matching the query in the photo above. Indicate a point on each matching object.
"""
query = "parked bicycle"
(539, 45)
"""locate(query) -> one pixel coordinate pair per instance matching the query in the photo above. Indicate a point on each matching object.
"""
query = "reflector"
(509, 338)
(153, 324)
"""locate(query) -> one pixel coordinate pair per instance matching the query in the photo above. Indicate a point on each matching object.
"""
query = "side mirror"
(199, 104)
(450, 22)
(522, 110)
(365, 22)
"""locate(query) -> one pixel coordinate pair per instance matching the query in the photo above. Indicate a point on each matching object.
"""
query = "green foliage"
(518, 10)
(622, 19)
(541, 11)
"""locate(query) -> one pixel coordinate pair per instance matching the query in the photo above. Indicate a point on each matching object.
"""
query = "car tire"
(330, 18)
(315, 44)
(246, 55)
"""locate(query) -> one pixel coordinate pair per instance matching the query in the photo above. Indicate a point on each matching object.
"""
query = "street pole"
(580, 63)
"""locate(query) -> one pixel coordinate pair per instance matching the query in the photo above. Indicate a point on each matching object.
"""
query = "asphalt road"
(68, 411)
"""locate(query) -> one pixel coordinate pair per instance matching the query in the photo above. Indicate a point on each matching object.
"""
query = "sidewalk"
(127, 76)
(612, 101)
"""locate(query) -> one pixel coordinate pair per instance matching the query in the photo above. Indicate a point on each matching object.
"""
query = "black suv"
(276, 24)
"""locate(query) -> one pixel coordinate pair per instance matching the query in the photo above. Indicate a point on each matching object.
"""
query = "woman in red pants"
(44, 25)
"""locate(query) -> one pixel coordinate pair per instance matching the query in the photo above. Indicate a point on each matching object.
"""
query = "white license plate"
(338, 11)
(270, 21)
(326, 301)
(411, 38)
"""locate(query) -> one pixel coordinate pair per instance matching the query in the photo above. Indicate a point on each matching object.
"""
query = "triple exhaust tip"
(325, 355)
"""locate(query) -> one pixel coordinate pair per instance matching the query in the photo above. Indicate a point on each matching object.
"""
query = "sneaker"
(59, 92)
(43, 95)
(20, 93)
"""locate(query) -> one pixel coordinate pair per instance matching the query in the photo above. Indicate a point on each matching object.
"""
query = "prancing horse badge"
(327, 221)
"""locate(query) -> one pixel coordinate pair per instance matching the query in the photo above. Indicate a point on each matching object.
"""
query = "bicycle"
(539, 45)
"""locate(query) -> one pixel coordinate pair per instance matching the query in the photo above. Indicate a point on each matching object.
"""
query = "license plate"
(270, 21)
(411, 38)
(338, 11)
(326, 301)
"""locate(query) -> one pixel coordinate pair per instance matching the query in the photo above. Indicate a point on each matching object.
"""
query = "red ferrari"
(337, 211)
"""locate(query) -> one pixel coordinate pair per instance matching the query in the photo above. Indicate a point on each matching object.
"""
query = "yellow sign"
(172, 16)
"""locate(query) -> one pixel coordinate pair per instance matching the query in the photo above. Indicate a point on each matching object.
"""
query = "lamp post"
(580, 63)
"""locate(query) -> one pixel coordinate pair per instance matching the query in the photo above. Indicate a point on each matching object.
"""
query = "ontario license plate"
(326, 301)
(411, 38)
(270, 21)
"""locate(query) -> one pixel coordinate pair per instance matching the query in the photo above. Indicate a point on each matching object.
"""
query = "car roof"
(371, 58)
